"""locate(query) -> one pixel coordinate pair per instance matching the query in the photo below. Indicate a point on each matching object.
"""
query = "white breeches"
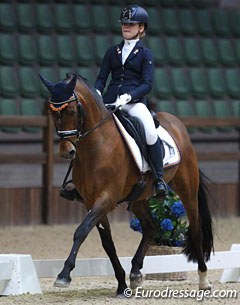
(141, 111)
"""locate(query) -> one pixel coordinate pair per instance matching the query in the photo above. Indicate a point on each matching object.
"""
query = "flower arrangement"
(170, 219)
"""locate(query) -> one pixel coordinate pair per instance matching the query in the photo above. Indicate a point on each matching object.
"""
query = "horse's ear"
(71, 85)
(46, 82)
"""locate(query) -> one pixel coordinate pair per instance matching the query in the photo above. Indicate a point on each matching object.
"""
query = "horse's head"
(67, 113)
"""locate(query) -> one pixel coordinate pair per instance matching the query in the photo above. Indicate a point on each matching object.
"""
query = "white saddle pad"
(172, 154)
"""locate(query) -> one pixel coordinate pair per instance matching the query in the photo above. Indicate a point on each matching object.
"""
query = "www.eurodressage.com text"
(167, 293)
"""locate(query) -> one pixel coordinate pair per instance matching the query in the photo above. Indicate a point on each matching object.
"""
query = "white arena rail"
(19, 273)
(152, 264)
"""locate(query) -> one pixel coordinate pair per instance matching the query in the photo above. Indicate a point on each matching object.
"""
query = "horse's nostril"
(71, 154)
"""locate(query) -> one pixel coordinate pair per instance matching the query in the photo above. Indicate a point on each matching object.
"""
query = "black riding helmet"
(134, 14)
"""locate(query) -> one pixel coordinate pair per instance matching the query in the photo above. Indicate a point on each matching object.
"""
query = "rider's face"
(132, 30)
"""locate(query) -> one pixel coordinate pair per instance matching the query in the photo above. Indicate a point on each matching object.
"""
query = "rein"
(63, 134)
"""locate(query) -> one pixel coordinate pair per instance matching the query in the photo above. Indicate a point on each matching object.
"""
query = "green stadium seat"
(233, 82)
(203, 110)
(209, 52)
(101, 45)
(174, 50)
(234, 17)
(29, 82)
(63, 18)
(87, 73)
(116, 39)
(169, 20)
(7, 17)
(165, 106)
(162, 83)
(9, 107)
(65, 50)
(27, 49)
(8, 53)
(30, 107)
(181, 84)
(156, 24)
(198, 82)
(81, 17)
(156, 44)
(26, 21)
(85, 55)
(226, 52)
(187, 22)
(221, 109)
(236, 108)
(44, 18)
(184, 108)
(237, 49)
(47, 54)
(49, 73)
(8, 82)
(221, 24)
(114, 15)
(99, 18)
(192, 51)
(216, 82)
(203, 22)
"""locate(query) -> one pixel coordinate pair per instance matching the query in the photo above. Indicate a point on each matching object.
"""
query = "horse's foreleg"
(108, 245)
(141, 210)
(94, 216)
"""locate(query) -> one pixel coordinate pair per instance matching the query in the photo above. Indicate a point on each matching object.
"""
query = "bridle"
(78, 132)
(63, 134)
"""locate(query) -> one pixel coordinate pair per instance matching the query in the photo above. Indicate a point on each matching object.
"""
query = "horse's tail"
(206, 224)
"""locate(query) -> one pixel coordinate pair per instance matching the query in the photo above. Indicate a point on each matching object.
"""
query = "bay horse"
(104, 173)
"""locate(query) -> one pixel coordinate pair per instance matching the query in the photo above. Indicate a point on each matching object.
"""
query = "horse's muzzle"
(66, 150)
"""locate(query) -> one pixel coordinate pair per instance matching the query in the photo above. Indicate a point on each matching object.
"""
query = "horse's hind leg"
(141, 210)
(108, 245)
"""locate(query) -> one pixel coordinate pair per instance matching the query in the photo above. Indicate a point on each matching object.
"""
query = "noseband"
(63, 134)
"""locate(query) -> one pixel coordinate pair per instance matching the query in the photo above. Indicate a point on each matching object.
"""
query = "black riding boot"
(69, 192)
(156, 163)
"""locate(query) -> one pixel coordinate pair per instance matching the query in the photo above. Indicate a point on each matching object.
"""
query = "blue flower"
(167, 224)
(177, 243)
(135, 224)
(178, 209)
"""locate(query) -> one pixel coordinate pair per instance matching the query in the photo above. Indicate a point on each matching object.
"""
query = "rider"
(131, 66)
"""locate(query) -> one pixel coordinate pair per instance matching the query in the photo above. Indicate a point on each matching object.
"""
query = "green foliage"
(170, 219)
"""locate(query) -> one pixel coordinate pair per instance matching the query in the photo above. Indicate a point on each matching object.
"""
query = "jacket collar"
(133, 53)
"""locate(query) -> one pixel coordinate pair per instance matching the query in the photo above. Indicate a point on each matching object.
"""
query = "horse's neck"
(94, 111)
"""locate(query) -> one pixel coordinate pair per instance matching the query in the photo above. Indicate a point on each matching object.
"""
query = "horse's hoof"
(120, 296)
(62, 282)
(209, 287)
(136, 280)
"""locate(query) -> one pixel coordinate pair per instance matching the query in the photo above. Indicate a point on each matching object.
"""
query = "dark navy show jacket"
(135, 77)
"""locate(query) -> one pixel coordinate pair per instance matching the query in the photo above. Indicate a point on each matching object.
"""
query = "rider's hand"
(123, 100)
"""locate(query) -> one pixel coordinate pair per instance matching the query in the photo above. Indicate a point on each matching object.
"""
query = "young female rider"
(132, 69)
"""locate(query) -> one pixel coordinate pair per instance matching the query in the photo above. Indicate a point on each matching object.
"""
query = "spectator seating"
(195, 44)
